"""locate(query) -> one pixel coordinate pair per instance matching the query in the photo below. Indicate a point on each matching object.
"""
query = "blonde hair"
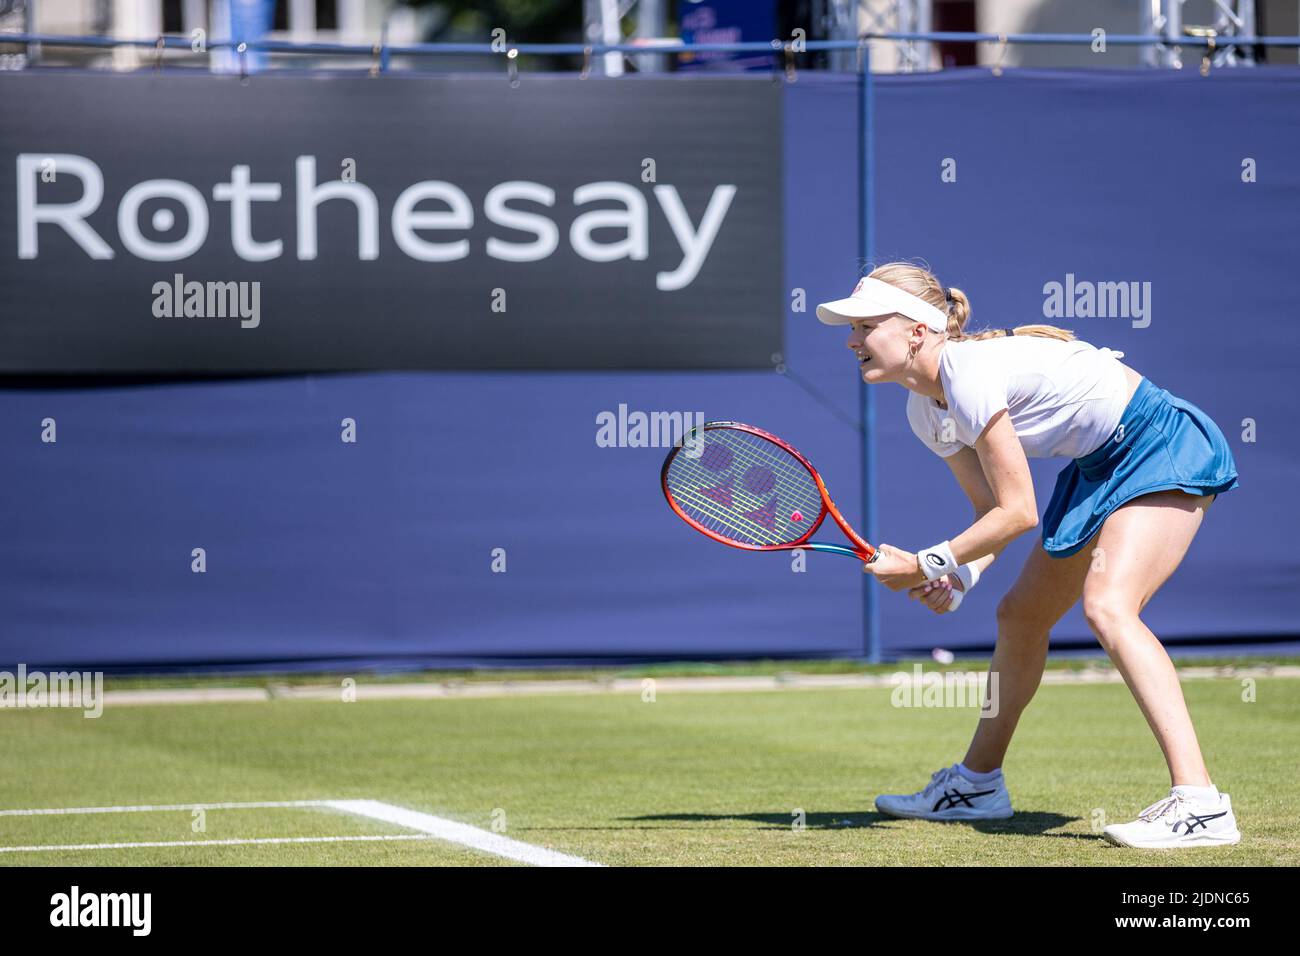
(922, 284)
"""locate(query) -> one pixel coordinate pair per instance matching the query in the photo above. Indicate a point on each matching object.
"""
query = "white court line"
(461, 833)
(428, 825)
(247, 842)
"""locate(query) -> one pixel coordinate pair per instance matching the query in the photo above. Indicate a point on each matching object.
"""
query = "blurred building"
(320, 21)
(365, 21)
(1115, 17)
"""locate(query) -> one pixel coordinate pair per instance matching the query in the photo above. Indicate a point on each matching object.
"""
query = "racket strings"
(712, 516)
(751, 517)
(718, 519)
(745, 488)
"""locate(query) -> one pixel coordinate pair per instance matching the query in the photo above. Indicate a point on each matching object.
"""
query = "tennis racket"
(751, 490)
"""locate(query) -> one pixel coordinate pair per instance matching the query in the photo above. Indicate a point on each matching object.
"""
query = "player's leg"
(1046, 588)
(1139, 546)
(975, 790)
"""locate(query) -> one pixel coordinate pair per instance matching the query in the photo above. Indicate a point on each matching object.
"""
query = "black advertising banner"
(164, 223)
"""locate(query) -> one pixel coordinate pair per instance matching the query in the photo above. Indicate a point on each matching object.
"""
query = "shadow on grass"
(1022, 824)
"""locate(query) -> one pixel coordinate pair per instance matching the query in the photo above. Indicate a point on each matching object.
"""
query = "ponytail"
(1041, 331)
(953, 301)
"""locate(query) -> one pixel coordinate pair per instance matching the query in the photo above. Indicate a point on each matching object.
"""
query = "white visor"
(872, 297)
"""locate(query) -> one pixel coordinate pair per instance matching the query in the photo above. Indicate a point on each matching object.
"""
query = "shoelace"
(936, 779)
(1161, 808)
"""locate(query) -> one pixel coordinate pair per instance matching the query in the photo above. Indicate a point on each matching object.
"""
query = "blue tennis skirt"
(1161, 443)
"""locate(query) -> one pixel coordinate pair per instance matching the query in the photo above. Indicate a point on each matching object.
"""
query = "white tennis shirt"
(1063, 398)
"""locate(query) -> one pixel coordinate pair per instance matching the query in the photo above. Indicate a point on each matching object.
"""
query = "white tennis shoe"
(1176, 821)
(950, 796)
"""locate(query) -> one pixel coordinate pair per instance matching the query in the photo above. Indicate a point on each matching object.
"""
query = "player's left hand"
(936, 595)
(895, 569)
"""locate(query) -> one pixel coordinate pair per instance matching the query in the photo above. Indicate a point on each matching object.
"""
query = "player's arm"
(966, 468)
(995, 476)
(1004, 492)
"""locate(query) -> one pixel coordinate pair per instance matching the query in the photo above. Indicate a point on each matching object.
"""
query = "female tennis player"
(1144, 468)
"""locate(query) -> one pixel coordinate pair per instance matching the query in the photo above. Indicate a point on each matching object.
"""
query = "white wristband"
(968, 575)
(937, 561)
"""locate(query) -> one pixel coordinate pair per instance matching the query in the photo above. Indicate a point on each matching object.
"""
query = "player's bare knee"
(1009, 610)
(1016, 616)
(1108, 615)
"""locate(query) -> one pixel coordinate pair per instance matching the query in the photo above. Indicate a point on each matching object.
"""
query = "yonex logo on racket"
(751, 490)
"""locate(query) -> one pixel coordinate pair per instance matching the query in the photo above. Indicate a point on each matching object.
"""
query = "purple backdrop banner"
(476, 519)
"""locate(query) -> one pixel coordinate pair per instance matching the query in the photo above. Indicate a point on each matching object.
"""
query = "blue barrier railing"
(179, 42)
